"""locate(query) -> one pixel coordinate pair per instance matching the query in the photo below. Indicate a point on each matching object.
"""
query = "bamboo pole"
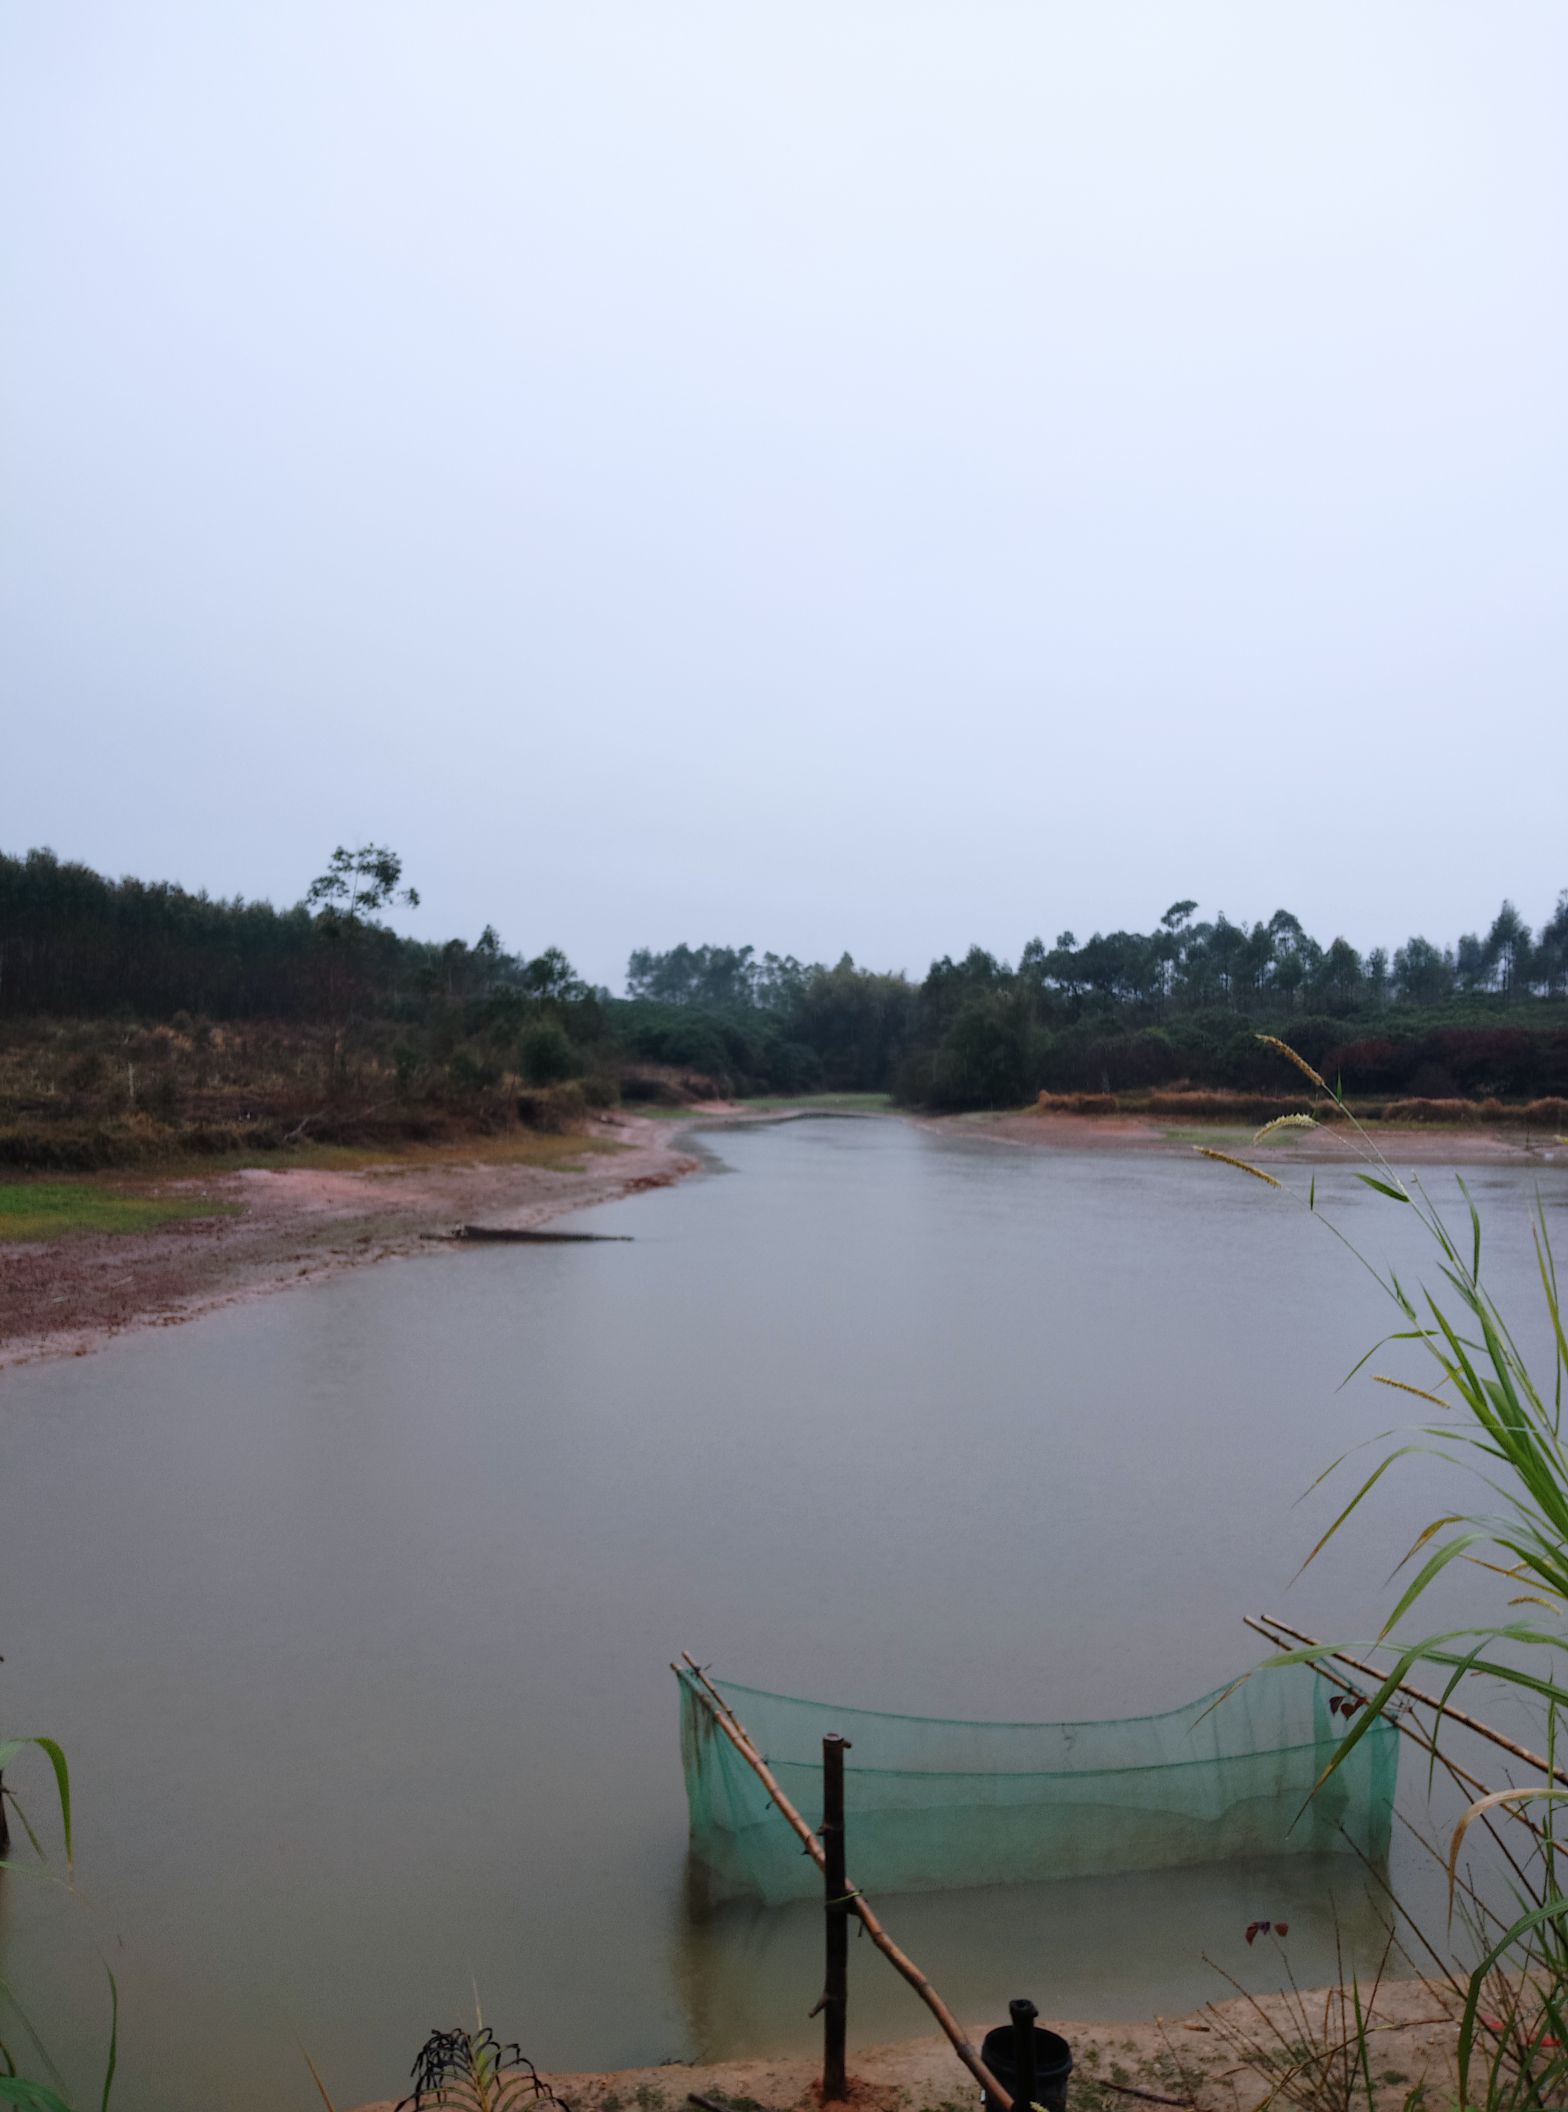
(1430, 1701)
(1427, 1743)
(739, 1737)
(1424, 1742)
(724, 1716)
(1416, 1736)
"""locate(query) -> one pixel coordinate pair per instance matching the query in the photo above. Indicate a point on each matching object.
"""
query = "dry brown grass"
(86, 1096)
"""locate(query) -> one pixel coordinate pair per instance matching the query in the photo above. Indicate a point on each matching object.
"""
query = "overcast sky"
(824, 474)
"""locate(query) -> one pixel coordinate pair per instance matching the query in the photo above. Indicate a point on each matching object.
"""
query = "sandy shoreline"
(1437, 1145)
(1193, 2061)
(297, 1224)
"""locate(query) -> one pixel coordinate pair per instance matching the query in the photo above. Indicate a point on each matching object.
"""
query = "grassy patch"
(557, 1153)
(1225, 1135)
(56, 1209)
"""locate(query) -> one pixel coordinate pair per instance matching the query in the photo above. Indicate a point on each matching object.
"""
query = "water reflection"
(1086, 1947)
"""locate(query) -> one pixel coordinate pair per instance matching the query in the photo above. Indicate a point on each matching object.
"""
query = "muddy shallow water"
(354, 1606)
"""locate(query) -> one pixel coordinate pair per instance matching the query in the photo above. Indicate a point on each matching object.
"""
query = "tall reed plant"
(1498, 1423)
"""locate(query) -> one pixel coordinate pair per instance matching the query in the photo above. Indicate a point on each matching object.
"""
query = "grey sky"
(822, 475)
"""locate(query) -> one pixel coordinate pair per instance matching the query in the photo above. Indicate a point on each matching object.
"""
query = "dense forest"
(1125, 1011)
(93, 969)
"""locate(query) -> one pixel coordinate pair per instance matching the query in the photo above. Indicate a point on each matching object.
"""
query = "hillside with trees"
(130, 1008)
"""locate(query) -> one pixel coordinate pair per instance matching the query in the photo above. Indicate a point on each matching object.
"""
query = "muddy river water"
(354, 1606)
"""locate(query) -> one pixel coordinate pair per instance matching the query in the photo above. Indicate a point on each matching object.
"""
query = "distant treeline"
(1485, 1017)
(74, 944)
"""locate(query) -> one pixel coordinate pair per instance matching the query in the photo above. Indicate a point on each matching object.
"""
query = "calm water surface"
(354, 1606)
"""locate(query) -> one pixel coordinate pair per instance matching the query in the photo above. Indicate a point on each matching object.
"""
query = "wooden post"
(737, 1734)
(835, 1986)
(1025, 2084)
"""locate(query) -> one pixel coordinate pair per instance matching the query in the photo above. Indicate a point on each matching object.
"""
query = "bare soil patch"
(1411, 1146)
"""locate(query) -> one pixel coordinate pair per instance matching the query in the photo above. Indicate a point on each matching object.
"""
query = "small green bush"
(468, 1074)
(546, 1055)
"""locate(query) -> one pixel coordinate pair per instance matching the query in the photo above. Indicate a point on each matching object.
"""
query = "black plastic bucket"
(1053, 2064)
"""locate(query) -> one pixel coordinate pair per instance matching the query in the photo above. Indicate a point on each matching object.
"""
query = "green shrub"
(793, 1067)
(546, 1055)
(984, 1058)
(469, 1074)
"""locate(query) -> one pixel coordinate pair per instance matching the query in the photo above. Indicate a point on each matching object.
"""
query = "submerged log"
(519, 1236)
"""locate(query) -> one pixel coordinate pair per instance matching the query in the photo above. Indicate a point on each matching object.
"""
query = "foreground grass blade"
(31, 2097)
(114, 2042)
(9, 1750)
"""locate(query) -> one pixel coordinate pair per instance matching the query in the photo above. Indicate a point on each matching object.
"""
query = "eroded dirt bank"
(294, 1224)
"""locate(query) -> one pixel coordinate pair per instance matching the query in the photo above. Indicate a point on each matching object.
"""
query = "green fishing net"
(932, 1803)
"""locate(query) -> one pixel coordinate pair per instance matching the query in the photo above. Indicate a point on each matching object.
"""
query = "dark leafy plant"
(472, 2071)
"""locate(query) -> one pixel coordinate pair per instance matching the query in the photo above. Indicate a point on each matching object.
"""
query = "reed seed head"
(1204, 1151)
(1280, 1122)
(1270, 1041)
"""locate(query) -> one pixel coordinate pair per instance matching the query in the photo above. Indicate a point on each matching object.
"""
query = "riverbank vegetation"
(1494, 1418)
(139, 1019)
